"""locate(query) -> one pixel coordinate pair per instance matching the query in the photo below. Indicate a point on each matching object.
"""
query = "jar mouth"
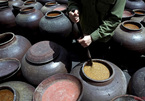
(111, 70)
(51, 3)
(6, 38)
(139, 12)
(132, 25)
(26, 10)
(11, 89)
(53, 14)
(42, 52)
(29, 2)
(128, 13)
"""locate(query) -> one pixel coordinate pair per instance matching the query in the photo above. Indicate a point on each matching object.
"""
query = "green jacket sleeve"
(105, 31)
(74, 4)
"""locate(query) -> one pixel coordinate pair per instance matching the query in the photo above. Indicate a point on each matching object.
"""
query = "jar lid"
(42, 52)
(8, 67)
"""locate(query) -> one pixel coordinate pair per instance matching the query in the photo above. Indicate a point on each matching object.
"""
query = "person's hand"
(85, 41)
(74, 16)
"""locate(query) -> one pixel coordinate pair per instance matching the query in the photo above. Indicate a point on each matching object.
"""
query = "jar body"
(15, 47)
(94, 91)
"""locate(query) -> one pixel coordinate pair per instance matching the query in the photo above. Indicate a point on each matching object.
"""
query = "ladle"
(88, 52)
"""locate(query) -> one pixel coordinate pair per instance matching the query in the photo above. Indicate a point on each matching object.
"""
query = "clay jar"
(15, 3)
(44, 59)
(127, 97)
(59, 87)
(139, 15)
(102, 90)
(135, 4)
(49, 6)
(7, 18)
(62, 1)
(29, 18)
(8, 93)
(136, 84)
(45, 1)
(3, 3)
(129, 35)
(13, 46)
(55, 26)
(25, 91)
(9, 67)
(31, 3)
(127, 14)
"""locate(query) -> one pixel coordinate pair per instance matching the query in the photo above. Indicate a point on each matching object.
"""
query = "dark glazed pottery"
(3, 3)
(139, 15)
(44, 1)
(130, 39)
(127, 98)
(11, 89)
(25, 90)
(32, 3)
(136, 84)
(13, 46)
(102, 90)
(15, 3)
(55, 26)
(7, 18)
(42, 87)
(62, 1)
(44, 59)
(8, 68)
(135, 4)
(49, 6)
(127, 14)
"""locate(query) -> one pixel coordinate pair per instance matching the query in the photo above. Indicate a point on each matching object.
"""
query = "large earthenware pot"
(49, 6)
(9, 68)
(29, 18)
(44, 59)
(135, 4)
(32, 3)
(12, 45)
(136, 84)
(127, 97)
(25, 90)
(15, 3)
(59, 87)
(8, 93)
(129, 35)
(62, 1)
(139, 15)
(44, 1)
(7, 18)
(55, 26)
(127, 14)
(101, 90)
(28, 21)
(3, 3)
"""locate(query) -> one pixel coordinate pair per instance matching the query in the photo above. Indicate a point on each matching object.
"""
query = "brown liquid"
(138, 12)
(27, 9)
(29, 2)
(127, 14)
(97, 71)
(131, 26)
(53, 14)
(6, 95)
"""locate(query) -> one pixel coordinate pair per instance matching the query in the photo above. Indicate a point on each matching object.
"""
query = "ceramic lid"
(8, 67)
(42, 52)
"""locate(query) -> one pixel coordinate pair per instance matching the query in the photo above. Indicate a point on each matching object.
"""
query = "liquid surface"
(97, 71)
(62, 90)
(131, 26)
(6, 95)
(53, 14)
(139, 12)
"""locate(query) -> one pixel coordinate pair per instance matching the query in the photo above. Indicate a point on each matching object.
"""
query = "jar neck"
(49, 4)
(27, 10)
(7, 39)
(30, 2)
(53, 14)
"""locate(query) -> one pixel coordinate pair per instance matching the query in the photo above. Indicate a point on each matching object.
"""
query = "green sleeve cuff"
(95, 36)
